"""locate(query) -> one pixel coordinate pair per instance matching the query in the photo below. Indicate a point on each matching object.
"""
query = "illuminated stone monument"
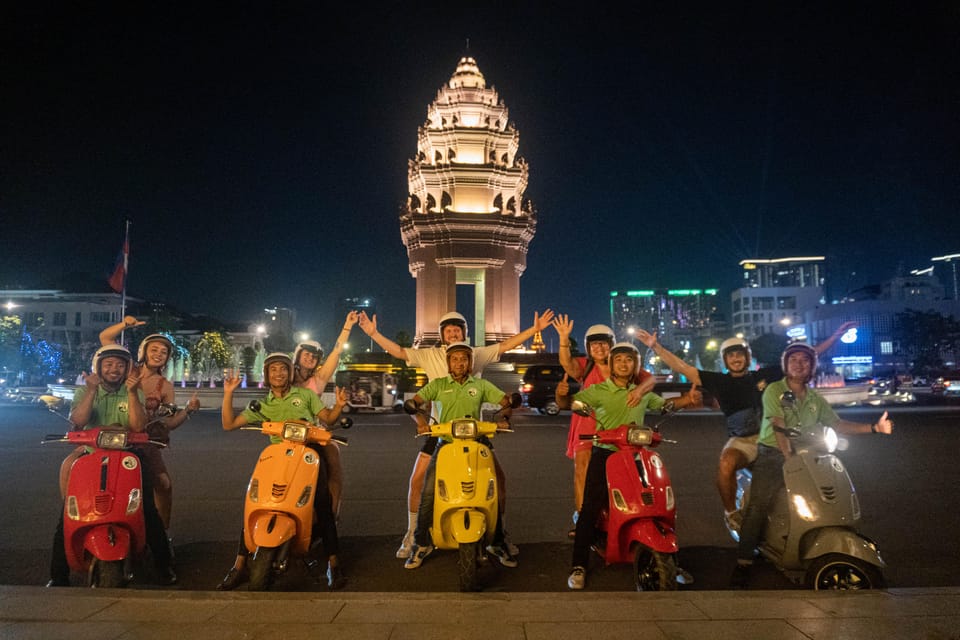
(466, 221)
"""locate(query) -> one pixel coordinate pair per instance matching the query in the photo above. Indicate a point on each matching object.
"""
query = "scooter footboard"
(108, 543)
(840, 540)
(269, 529)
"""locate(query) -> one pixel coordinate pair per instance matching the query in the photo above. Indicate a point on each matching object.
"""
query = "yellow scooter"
(465, 502)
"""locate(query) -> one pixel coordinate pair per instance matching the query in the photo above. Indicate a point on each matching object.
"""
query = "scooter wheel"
(467, 565)
(260, 566)
(654, 571)
(107, 575)
(837, 572)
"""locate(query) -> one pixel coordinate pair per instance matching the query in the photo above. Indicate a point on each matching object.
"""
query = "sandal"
(233, 578)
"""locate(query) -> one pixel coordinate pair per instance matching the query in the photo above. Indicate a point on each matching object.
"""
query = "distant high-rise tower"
(466, 221)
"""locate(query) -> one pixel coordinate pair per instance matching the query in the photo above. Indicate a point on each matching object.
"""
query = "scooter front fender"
(467, 525)
(840, 540)
(646, 532)
(272, 529)
(108, 543)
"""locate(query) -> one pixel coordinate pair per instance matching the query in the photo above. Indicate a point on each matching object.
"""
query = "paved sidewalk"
(79, 614)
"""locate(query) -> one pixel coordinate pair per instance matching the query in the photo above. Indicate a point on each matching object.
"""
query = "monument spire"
(466, 221)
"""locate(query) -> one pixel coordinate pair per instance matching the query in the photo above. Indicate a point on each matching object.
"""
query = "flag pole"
(123, 294)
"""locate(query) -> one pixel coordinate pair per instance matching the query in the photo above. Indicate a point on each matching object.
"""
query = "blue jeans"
(766, 484)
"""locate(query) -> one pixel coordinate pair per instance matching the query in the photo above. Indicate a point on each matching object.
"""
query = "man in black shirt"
(739, 393)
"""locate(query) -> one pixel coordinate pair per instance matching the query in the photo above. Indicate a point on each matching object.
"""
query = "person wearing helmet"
(799, 364)
(738, 392)
(111, 395)
(453, 328)
(598, 340)
(285, 401)
(463, 395)
(610, 399)
(308, 373)
(154, 353)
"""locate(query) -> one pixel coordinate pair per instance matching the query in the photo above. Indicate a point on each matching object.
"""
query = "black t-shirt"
(740, 398)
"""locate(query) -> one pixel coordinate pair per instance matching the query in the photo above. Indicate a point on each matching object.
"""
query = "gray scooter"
(812, 533)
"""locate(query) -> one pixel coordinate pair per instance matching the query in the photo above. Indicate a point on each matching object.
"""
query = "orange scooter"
(278, 511)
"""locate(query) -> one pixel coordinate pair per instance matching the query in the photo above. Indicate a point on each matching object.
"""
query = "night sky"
(260, 150)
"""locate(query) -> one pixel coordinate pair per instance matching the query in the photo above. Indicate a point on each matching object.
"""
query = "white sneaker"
(417, 555)
(405, 546)
(577, 579)
(684, 577)
(508, 543)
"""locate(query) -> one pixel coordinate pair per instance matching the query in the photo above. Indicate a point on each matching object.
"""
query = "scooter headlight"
(134, 500)
(639, 436)
(294, 432)
(112, 440)
(464, 429)
(830, 439)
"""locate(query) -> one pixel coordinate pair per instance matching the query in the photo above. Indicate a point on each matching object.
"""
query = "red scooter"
(639, 521)
(103, 523)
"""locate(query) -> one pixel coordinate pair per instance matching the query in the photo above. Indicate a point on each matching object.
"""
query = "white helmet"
(459, 346)
(735, 343)
(110, 351)
(598, 332)
(155, 337)
(453, 318)
(801, 347)
(278, 356)
(626, 347)
(310, 346)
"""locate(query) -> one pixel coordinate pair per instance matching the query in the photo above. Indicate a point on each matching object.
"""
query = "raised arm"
(673, 361)
(824, 346)
(540, 322)
(109, 335)
(228, 419)
(324, 373)
(564, 325)
(369, 326)
(329, 415)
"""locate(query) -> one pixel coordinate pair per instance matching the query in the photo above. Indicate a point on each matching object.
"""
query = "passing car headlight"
(464, 429)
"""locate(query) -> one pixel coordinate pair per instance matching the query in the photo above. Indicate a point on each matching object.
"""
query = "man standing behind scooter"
(460, 395)
(799, 362)
(111, 395)
(738, 393)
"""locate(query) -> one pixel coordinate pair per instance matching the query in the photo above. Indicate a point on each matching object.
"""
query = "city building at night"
(775, 293)
(466, 222)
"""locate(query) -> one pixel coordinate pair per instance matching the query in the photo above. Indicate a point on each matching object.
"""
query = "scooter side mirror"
(515, 400)
(581, 408)
(344, 423)
(254, 406)
(410, 407)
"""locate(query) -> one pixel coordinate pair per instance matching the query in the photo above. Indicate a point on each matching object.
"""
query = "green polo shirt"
(109, 407)
(609, 401)
(460, 400)
(298, 404)
(809, 412)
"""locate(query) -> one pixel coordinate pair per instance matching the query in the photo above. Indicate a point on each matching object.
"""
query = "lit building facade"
(466, 221)
(776, 293)
(679, 316)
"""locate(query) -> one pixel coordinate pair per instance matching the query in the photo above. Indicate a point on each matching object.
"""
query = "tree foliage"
(212, 354)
